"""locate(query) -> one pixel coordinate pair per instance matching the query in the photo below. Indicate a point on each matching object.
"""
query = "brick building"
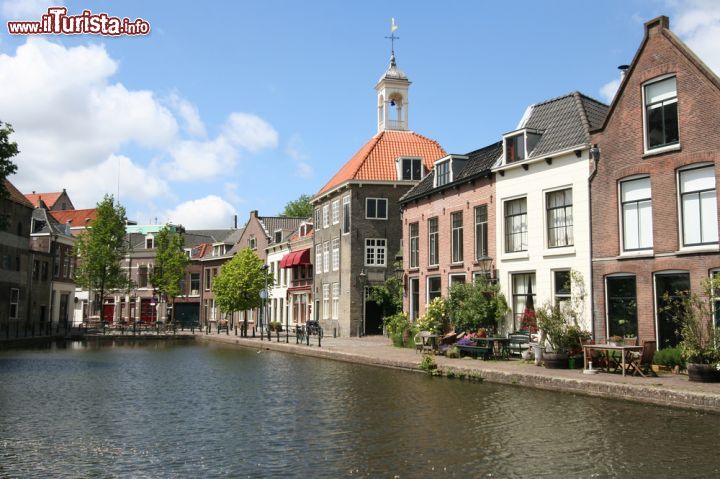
(358, 230)
(449, 227)
(654, 202)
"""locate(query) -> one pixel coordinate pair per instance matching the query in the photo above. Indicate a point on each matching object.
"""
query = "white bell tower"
(392, 99)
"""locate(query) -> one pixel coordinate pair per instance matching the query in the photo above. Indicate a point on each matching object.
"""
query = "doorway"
(373, 316)
(667, 287)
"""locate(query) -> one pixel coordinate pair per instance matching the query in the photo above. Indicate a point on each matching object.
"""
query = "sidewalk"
(666, 390)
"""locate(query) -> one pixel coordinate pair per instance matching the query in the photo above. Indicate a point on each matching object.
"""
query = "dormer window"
(218, 249)
(519, 144)
(411, 169)
(149, 242)
(278, 236)
(443, 173)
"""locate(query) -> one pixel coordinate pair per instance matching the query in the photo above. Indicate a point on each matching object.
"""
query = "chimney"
(623, 71)
(656, 24)
(254, 213)
(235, 222)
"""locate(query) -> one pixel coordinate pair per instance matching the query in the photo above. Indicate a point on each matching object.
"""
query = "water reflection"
(182, 410)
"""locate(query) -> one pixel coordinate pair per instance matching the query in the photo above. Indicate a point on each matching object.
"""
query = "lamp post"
(486, 268)
(264, 296)
(362, 279)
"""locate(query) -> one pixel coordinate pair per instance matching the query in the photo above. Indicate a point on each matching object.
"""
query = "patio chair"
(641, 362)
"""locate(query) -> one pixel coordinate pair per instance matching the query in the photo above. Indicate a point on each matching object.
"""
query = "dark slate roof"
(287, 224)
(192, 238)
(478, 164)
(45, 223)
(218, 236)
(566, 122)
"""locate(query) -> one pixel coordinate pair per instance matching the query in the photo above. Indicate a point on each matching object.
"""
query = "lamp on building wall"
(485, 263)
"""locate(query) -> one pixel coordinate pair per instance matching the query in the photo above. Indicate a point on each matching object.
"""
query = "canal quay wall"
(673, 390)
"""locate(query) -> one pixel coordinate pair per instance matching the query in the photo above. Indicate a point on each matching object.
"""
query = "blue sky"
(248, 104)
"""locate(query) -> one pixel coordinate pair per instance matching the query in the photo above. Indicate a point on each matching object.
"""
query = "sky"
(245, 105)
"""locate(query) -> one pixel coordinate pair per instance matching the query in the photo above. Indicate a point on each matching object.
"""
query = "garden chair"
(641, 362)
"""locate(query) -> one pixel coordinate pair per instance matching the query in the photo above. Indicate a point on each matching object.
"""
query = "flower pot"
(538, 353)
(703, 373)
(555, 360)
(575, 362)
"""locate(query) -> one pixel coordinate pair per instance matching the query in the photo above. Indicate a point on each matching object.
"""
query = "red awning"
(295, 258)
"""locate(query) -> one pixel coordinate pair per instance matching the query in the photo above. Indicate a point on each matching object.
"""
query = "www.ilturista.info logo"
(58, 22)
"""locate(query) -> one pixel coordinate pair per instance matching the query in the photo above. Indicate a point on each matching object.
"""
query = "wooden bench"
(474, 351)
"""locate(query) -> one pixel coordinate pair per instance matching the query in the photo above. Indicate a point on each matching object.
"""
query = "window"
(194, 284)
(516, 230)
(414, 243)
(326, 301)
(376, 208)
(326, 216)
(44, 270)
(559, 218)
(661, 113)
(278, 236)
(433, 244)
(457, 237)
(326, 257)
(336, 254)
(636, 209)
(149, 242)
(207, 280)
(621, 305)
(515, 148)
(433, 288)
(56, 264)
(317, 217)
(336, 212)
(346, 214)
(14, 302)
(562, 287)
(669, 288)
(36, 270)
(318, 259)
(412, 169)
(481, 232)
(375, 252)
(442, 173)
(335, 300)
(66, 266)
(523, 296)
(252, 243)
(698, 206)
(458, 278)
(143, 277)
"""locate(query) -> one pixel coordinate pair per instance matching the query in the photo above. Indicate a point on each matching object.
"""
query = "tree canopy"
(170, 261)
(237, 287)
(8, 149)
(476, 305)
(101, 248)
(299, 208)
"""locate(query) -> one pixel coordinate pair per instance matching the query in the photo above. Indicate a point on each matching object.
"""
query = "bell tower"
(392, 94)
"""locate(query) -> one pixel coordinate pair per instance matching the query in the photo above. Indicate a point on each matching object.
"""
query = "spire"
(392, 89)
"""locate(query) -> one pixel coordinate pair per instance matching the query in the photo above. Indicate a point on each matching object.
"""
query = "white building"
(542, 206)
(277, 297)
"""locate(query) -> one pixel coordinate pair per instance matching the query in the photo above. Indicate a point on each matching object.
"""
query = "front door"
(414, 298)
(667, 287)
(373, 316)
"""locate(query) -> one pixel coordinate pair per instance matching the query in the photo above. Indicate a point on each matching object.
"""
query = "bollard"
(319, 337)
(334, 332)
(287, 335)
(269, 333)
(307, 338)
(297, 336)
(253, 331)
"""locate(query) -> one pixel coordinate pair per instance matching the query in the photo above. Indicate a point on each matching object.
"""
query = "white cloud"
(698, 24)
(193, 160)
(609, 89)
(27, 9)
(250, 132)
(296, 150)
(189, 114)
(204, 213)
(231, 193)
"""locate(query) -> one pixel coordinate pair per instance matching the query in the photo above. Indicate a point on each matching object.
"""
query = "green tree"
(101, 248)
(476, 305)
(389, 295)
(170, 261)
(8, 149)
(237, 287)
(299, 208)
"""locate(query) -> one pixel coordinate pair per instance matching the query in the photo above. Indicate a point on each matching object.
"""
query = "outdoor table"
(624, 350)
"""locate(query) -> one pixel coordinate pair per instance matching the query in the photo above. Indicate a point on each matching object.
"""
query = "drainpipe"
(595, 157)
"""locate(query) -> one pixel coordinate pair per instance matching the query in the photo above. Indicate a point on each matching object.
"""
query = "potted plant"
(551, 321)
(615, 340)
(699, 344)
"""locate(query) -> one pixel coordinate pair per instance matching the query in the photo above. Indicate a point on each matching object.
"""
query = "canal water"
(162, 409)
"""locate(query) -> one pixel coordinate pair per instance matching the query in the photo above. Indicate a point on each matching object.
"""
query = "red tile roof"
(376, 159)
(76, 218)
(48, 198)
(15, 194)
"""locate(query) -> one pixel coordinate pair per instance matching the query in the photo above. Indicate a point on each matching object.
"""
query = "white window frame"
(326, 301)
(427, 287)
(436, 234)
(347, 217)
(621, 203)
(414, 243)
(335, 301)
(402, 159)
(668, 147)
(318, 216)
(318, 259)
(606, 298)
(546, 207)
(681, 210)
(275, 236)
(457, 253)
(16, 304)
(505, 226)
(371, 245)
(376, 217)
(441, 163)
(335, 254)
(484, 236)
(326, 257)
(326, 216)
(560, 297)
(336, 212)
(455, 275)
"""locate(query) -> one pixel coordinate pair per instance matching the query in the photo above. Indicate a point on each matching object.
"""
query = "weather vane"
(392, 36)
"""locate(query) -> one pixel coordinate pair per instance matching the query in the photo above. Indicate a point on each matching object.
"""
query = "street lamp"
(486, 268)
(362, 279)
(264, 297)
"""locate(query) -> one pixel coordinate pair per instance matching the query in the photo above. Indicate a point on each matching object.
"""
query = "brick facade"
(623, 155)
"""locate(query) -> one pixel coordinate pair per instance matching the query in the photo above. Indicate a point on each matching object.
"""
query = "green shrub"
(428, 363)
(275, 326)
(669, 357)
(476, 305)
(453, 352)
(435, 318)
(399, 329)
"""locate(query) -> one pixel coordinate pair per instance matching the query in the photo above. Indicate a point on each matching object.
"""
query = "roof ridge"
(583, 115)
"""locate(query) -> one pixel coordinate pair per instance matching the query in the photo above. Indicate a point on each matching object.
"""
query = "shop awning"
(295, 258)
